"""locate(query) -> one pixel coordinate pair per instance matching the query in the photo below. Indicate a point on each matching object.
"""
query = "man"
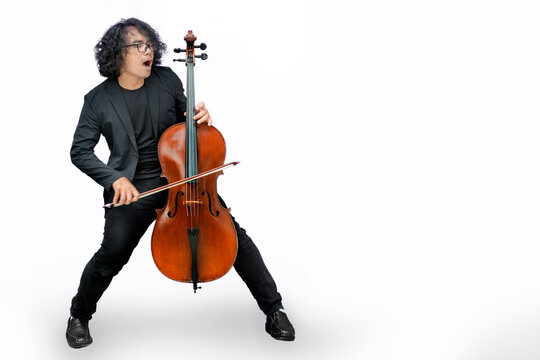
(131, 109)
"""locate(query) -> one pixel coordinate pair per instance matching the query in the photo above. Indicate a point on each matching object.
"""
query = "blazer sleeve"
(86, 137)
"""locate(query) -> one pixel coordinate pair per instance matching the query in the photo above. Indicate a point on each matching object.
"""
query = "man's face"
(137, 65)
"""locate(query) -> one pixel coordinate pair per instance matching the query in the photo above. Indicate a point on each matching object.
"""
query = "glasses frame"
(139, 47)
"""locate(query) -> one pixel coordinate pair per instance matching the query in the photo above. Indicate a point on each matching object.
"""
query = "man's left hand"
(202, 115)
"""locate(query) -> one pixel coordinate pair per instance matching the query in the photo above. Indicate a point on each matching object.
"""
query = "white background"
(389, 175)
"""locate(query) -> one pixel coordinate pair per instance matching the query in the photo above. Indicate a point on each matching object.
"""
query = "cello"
(194, 239)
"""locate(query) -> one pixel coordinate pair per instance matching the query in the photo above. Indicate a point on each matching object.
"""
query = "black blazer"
(105, 113)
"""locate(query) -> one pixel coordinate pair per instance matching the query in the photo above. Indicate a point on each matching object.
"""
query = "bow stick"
(178, 183)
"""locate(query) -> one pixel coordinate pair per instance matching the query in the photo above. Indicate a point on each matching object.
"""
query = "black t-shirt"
(137, 104)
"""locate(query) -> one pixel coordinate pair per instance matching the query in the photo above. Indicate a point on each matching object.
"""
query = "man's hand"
(124, 192)
(201, 114)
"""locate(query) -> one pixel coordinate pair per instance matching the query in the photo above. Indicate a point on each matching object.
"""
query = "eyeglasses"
(142, 47)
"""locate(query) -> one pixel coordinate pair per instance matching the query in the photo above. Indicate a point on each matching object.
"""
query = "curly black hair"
(111, 47)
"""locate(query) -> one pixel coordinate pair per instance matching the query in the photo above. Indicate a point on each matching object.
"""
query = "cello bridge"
(193, 202)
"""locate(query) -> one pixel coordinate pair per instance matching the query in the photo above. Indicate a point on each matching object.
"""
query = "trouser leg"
(124, 227)
(251, 268)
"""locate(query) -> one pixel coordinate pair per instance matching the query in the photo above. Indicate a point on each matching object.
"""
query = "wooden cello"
(194, 239)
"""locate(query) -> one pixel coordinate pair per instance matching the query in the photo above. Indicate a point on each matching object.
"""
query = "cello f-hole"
(175, 204)
(216, 214)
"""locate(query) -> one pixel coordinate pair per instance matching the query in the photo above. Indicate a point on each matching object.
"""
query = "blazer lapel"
(121, 109)
(152, 88)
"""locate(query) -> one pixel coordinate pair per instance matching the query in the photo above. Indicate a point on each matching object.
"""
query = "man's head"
(118, 52)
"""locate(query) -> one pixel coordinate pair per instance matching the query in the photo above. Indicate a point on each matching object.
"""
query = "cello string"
(190, 121)
(188, 148)
(188, 145)
(191, 133)
(192, 138)
(195, 195)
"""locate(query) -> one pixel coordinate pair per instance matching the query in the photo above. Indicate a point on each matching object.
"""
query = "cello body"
(194, 238)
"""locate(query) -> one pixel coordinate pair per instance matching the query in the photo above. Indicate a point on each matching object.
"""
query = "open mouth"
(147, 64)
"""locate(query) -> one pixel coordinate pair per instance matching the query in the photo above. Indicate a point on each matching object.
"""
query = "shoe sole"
(280, 337)
(77, 345)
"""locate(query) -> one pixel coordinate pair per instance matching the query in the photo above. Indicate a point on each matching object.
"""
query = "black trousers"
(124, 227)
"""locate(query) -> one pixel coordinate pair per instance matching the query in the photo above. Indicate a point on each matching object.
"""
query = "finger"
(200, 114)
(122, 200)
(203, 118)
(116, 196)
(135, 195)
(200, 108)
(207, 119)
(129, 197)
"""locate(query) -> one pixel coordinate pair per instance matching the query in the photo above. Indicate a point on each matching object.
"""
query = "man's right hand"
(124, 192)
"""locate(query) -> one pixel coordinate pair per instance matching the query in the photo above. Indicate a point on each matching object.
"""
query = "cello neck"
(191, 126)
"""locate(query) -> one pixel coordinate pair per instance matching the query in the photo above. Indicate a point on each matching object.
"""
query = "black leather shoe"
(279, 326)
(77, 333)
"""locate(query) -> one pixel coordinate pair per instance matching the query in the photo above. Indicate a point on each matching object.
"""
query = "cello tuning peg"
(178, 50)
(182, 60)
(203, 56)
(202, 46)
